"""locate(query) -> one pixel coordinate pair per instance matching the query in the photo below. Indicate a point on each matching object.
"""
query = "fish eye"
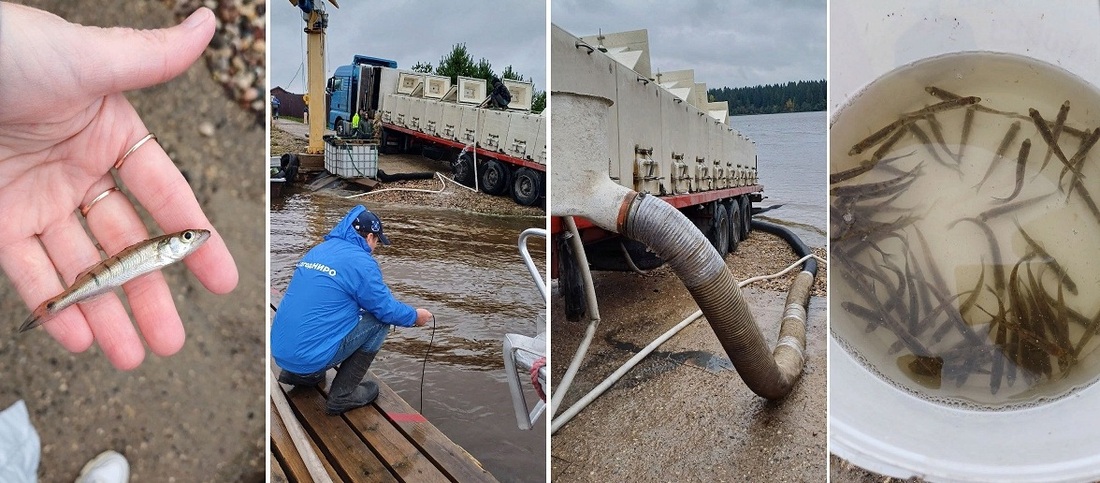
(188, 235)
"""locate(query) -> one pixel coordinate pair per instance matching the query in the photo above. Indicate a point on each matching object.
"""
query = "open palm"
(63, 124)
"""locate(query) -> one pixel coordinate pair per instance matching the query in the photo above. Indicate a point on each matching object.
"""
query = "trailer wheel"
(463, 169)
(340, 128)
(719, 230)
(569, 278)
(384, 141)
(495, 177)
(733, 211)
(746, 217)
(527, 187)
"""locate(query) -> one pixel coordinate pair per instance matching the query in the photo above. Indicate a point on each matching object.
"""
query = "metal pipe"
(580, 188)
(593, 311)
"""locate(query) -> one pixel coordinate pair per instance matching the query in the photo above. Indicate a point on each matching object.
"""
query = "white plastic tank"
(872, 423)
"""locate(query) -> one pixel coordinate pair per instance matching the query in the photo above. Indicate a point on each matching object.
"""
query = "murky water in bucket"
(964, 248)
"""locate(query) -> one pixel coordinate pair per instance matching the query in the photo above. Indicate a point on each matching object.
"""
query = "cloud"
(506, 33)
(728, 43)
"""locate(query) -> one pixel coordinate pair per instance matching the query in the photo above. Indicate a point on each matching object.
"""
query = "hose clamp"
(624, 211)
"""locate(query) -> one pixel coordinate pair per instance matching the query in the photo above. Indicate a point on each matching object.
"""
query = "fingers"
(119, 59)
(35, 278)
(72, 252)
(159, 186)
(116, 225)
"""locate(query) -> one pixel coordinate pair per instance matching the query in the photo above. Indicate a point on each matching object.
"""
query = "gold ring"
(133, 148)
(88, 207)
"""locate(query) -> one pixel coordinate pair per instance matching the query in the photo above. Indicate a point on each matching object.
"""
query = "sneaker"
(108, 467)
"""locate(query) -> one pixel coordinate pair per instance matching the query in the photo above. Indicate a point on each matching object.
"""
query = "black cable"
(424, 366)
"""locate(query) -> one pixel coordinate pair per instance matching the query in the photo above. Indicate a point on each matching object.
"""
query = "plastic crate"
(351, 159)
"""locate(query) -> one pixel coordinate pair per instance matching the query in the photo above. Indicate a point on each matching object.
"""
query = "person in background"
(337, 311)
(500, 96)
(274, 107)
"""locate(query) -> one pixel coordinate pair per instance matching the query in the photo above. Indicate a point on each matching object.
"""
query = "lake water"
(792, 167)
(466, 269)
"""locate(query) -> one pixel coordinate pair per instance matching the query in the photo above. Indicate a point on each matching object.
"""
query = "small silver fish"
(132, 262)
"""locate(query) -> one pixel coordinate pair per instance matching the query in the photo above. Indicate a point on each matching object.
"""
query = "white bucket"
(884, 429)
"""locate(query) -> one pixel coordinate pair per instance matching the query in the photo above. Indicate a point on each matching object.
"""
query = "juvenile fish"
(132, 262)
(1001, 150)
(1056, 131)
(1044, 131)
(1021, 166)
(909, 117)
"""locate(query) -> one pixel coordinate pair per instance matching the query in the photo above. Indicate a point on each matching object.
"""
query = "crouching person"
(337, 311)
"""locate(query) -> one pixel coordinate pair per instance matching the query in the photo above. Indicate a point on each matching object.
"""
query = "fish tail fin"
(38, 317)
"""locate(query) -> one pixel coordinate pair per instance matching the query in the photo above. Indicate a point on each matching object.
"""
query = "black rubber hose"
(793, 240)
(386, 178)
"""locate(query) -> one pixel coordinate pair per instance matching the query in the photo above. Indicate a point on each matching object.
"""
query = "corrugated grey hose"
(582, 187)
(674, 238)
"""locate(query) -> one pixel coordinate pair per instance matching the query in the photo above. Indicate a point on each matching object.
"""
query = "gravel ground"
(236, 54)
(197, 415)
(841, 471)
(683, 413)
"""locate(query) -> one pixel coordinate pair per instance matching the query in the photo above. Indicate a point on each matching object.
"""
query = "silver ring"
(88, 207)
(133, 148)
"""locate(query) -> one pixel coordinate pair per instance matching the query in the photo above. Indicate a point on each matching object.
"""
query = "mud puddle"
(465, 268)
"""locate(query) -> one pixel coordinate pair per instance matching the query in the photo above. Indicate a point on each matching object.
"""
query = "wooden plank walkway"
(385, 441)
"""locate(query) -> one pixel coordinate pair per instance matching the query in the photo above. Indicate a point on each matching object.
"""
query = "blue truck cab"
(353, 87)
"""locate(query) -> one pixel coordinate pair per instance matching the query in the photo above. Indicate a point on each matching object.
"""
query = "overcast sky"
(731, 43)
(504, 32)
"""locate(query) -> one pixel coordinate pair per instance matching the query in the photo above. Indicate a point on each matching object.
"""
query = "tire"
(495, 178)
(733, 211)
(384, 141)
(340, 127)
(719, 230)
(463, 169)
(527, 187)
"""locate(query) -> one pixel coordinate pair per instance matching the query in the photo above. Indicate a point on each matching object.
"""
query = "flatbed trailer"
(500, 151)
(667, 140)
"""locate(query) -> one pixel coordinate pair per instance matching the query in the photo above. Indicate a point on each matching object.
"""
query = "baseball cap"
(368, 222)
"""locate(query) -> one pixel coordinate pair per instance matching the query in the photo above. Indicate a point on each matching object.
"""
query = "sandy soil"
(198, 415)
(684, 413)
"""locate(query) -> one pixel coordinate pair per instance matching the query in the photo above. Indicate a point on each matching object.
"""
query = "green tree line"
(459, 62)
(772, 98)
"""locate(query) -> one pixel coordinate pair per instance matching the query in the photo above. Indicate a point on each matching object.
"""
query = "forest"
(772, 98)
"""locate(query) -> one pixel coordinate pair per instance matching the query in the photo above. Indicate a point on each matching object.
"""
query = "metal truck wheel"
(733, 212)
(495, 177)
(719, 230)
(527, 187)
(338, 126)
(463, 169)
(746, 216)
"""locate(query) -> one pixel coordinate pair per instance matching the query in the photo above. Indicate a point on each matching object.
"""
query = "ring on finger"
(88, 207)
(118, 164)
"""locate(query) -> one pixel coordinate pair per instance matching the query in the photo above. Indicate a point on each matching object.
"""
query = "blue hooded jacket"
(332, 282)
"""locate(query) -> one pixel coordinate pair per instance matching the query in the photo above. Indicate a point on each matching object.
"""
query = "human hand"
(63, 125)
(423, 317)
